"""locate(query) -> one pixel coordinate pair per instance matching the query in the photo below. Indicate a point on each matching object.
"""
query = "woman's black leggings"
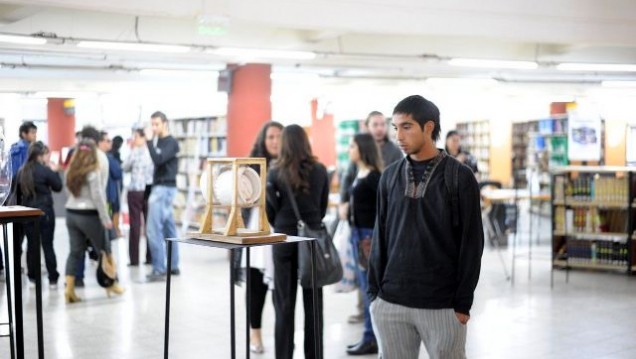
(258, 293)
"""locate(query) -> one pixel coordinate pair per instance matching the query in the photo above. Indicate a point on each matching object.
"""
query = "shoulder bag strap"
(292, 199)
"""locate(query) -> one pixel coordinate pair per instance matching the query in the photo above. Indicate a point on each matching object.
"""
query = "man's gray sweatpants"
(400, 330)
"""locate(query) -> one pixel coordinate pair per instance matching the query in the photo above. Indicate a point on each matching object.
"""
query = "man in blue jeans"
(163, 150)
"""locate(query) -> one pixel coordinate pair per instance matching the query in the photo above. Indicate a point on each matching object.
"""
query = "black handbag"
(106, 272)
(328, 267)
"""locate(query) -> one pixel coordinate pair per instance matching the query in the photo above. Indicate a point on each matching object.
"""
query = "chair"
(500, 218)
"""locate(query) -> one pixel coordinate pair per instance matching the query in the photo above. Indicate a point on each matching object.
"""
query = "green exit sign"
(213, 25)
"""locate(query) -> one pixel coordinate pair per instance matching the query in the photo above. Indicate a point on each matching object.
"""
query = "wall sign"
(584, 137)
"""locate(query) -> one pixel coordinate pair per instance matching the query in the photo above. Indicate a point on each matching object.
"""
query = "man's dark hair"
(161, 115)
(140, 132)
(26, 127)
(91, 133)
(102, 135)
(118, 141)
(422, 111)
(452, 133)
(372, 114)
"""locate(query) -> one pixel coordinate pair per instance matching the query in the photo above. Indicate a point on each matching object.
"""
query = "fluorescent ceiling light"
(26, 40)
(132, 46)
(494, 64)
(294, 76)
(568, 66)
(178, 72)
(60, 94)
(463, 81)
(263, 53)
(619, 84)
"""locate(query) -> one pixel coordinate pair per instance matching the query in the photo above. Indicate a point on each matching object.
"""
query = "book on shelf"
(592, 220)
(592, 189)
(597, 252)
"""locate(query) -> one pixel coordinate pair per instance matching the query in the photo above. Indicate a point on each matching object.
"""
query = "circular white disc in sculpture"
(249, 186)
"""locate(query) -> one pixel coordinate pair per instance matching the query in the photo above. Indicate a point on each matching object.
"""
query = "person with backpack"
(362, 194)
(427, 243)
(20, 150)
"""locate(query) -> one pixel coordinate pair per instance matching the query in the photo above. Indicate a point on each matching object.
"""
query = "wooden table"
(20, 216)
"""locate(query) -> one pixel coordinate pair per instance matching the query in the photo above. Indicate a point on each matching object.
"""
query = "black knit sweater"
(418, 259)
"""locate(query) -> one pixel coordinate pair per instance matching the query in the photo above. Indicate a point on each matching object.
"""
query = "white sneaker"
(31, 284)
(53, 286)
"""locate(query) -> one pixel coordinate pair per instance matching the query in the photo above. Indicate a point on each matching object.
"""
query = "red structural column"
(61, 123)
(322, 135)
(248, 107)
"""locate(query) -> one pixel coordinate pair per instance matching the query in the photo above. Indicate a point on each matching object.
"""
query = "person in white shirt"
(140, 166)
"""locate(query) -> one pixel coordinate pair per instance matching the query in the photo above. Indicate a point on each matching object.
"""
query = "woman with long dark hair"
(308, 181)
(86, 214)
(267, 146)
(364, 153)
(35, 182)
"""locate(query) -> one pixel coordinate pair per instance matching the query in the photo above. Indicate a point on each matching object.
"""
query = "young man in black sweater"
(426, 255)
(163, 150)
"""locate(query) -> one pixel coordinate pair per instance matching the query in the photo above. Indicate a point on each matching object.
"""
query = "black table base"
(232, 248)
(16, 322)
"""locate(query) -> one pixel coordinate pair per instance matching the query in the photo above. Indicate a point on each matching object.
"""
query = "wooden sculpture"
(232, 183)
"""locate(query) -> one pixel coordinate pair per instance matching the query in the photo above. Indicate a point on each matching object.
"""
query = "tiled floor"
(593, 316)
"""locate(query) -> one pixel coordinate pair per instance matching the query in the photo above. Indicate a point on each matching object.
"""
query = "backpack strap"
(451, 179)
(394, 178)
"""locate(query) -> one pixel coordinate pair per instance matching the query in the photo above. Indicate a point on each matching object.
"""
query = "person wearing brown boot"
(86, 214)
(69, 292)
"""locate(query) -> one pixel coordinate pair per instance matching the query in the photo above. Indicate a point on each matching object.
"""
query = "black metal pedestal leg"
(166, 338)
(17, 275)
(232, 314)
(248, 301)
(317, 326)
(38, 291)
(7, 273)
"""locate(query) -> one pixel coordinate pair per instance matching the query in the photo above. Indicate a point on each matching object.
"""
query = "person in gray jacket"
(86, 214)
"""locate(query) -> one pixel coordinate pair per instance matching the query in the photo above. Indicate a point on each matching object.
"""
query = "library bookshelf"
(593, 211)
(475, 137)
(199, 138)
(538, 145)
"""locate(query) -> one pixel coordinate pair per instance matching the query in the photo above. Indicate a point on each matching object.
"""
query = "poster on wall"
(584, 137)
(631, 145)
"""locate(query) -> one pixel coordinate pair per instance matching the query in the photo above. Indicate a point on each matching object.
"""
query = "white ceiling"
(353, 38)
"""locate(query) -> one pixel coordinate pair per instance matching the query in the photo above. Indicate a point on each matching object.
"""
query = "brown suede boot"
(69, 292)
